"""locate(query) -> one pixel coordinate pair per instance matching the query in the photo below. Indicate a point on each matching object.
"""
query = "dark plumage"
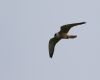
(62, 34)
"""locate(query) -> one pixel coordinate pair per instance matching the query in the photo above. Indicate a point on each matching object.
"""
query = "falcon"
(62, 34)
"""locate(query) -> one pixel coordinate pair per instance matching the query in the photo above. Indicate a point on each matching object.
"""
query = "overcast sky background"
(25, 29)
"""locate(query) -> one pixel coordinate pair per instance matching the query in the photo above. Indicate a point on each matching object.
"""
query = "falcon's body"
(62, 34)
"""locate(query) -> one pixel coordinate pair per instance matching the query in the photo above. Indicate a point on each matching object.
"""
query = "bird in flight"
(62, 34)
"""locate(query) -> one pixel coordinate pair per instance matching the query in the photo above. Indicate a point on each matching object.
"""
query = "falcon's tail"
(72, 36)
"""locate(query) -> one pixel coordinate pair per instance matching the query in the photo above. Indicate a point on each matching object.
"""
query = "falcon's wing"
(66, 28)
(52, 44)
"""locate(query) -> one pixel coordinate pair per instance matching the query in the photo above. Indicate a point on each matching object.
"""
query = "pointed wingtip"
(83, 22)
(51, 56)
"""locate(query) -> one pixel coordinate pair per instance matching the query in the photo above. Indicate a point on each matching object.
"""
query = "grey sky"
(25, 29)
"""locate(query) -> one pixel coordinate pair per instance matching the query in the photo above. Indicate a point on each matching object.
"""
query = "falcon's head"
(57, 35)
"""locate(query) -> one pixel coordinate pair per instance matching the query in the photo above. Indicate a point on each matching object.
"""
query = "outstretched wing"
(52, 44)
(66, 28)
